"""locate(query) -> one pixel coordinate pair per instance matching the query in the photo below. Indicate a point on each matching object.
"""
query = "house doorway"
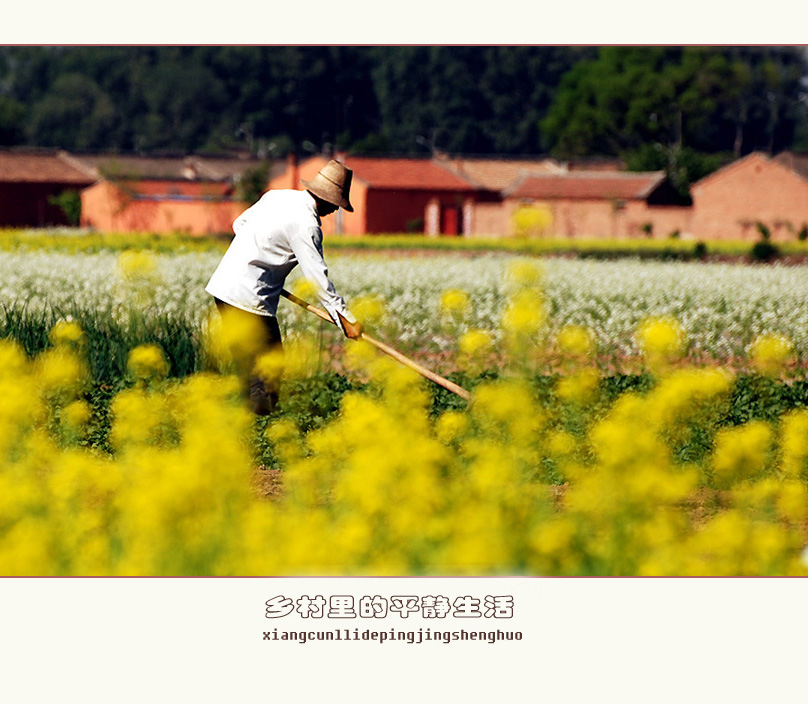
(451, 220)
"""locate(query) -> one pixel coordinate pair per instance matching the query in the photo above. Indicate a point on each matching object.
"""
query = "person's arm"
(309, 255)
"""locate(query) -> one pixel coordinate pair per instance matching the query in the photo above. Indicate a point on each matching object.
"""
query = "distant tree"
(253, 183)
(575, 101)
(181, 99)
(733, 99)
(467, 99)
(683, 166)
(69, 202)
(516, 88)
(12, 121)
(75, 114)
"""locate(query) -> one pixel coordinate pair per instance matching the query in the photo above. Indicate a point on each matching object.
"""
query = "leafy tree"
(77, 112)
(466, 99)
(12, 121)
(69, 202)
(577, 101)
(682, 165)
(733, 99)
(253, 183)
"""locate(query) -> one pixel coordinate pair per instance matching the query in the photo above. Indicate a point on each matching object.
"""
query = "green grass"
(108, 341)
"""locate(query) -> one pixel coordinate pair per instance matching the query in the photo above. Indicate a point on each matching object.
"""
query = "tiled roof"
(411, 174)
(227, 168)
(587, 185)
(177, 189)
(40, 167)
(124, 166)
(128, 166)
(499, 174)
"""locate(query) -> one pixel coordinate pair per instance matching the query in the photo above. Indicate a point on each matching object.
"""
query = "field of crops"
(629, 417)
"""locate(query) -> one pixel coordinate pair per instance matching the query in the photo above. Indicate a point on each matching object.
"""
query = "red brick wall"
(601, 219)
(395, 211)
(728, 204)
(665, 220)
(106, 208)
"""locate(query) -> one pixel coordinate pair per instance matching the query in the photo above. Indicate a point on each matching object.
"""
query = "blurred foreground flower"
(742, 453)
(661, 340)
(67, 332)
(370, 310)
(147, 362)
(138, 266)
(524, 274)
(454, 302)
(576, 340)
(770, 353)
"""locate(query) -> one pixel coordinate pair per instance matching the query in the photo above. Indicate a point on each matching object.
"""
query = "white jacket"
(275, 234)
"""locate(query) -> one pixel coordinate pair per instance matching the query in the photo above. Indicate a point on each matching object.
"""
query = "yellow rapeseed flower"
(67, 332)
(524, 315)
(561, 443)
(305, 289)
(76, 414)
(147, 362)
(137, 266)
(270, 365)
(370, 310)
(524, 274)
(576, 340)
(60, 372)
(770, 352)
(13, 361)
(474, 347)
(454, 302)
(578, 387)
(451, 425)
(794, 443)
(237, 337)
(661, 339)
(475, 343)
(742, 452)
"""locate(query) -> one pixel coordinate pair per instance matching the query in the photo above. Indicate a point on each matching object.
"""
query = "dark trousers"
(262, 393)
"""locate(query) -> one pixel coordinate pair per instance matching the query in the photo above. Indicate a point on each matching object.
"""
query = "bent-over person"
(273, 236)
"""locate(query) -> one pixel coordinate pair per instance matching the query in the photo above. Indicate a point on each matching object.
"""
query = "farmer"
(279, 231)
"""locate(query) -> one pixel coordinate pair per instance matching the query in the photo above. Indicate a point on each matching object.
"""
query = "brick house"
(188, 207)
(29, 179)
(394, 195)
(492, 176)
(192, 195)
(598, 204)
(730, 202)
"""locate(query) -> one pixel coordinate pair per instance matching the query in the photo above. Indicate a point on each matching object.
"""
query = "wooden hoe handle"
(406, 361)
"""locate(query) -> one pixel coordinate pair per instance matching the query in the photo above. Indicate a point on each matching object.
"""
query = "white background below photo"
(582, 640)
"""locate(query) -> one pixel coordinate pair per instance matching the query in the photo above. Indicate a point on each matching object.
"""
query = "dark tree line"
(367, 99)
(680, 108)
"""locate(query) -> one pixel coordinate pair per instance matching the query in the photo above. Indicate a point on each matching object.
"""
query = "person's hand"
(352, 330)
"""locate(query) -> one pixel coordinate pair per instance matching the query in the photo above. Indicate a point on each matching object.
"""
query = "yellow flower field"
(508, 484)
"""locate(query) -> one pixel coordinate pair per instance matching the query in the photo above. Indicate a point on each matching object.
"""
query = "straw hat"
(332, 184)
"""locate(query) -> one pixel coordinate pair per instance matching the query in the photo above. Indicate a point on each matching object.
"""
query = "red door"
(450, 220)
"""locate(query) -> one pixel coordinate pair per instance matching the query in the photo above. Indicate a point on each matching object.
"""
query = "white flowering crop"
(722, 308)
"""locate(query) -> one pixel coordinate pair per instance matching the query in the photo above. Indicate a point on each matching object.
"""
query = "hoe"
(406, 361)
